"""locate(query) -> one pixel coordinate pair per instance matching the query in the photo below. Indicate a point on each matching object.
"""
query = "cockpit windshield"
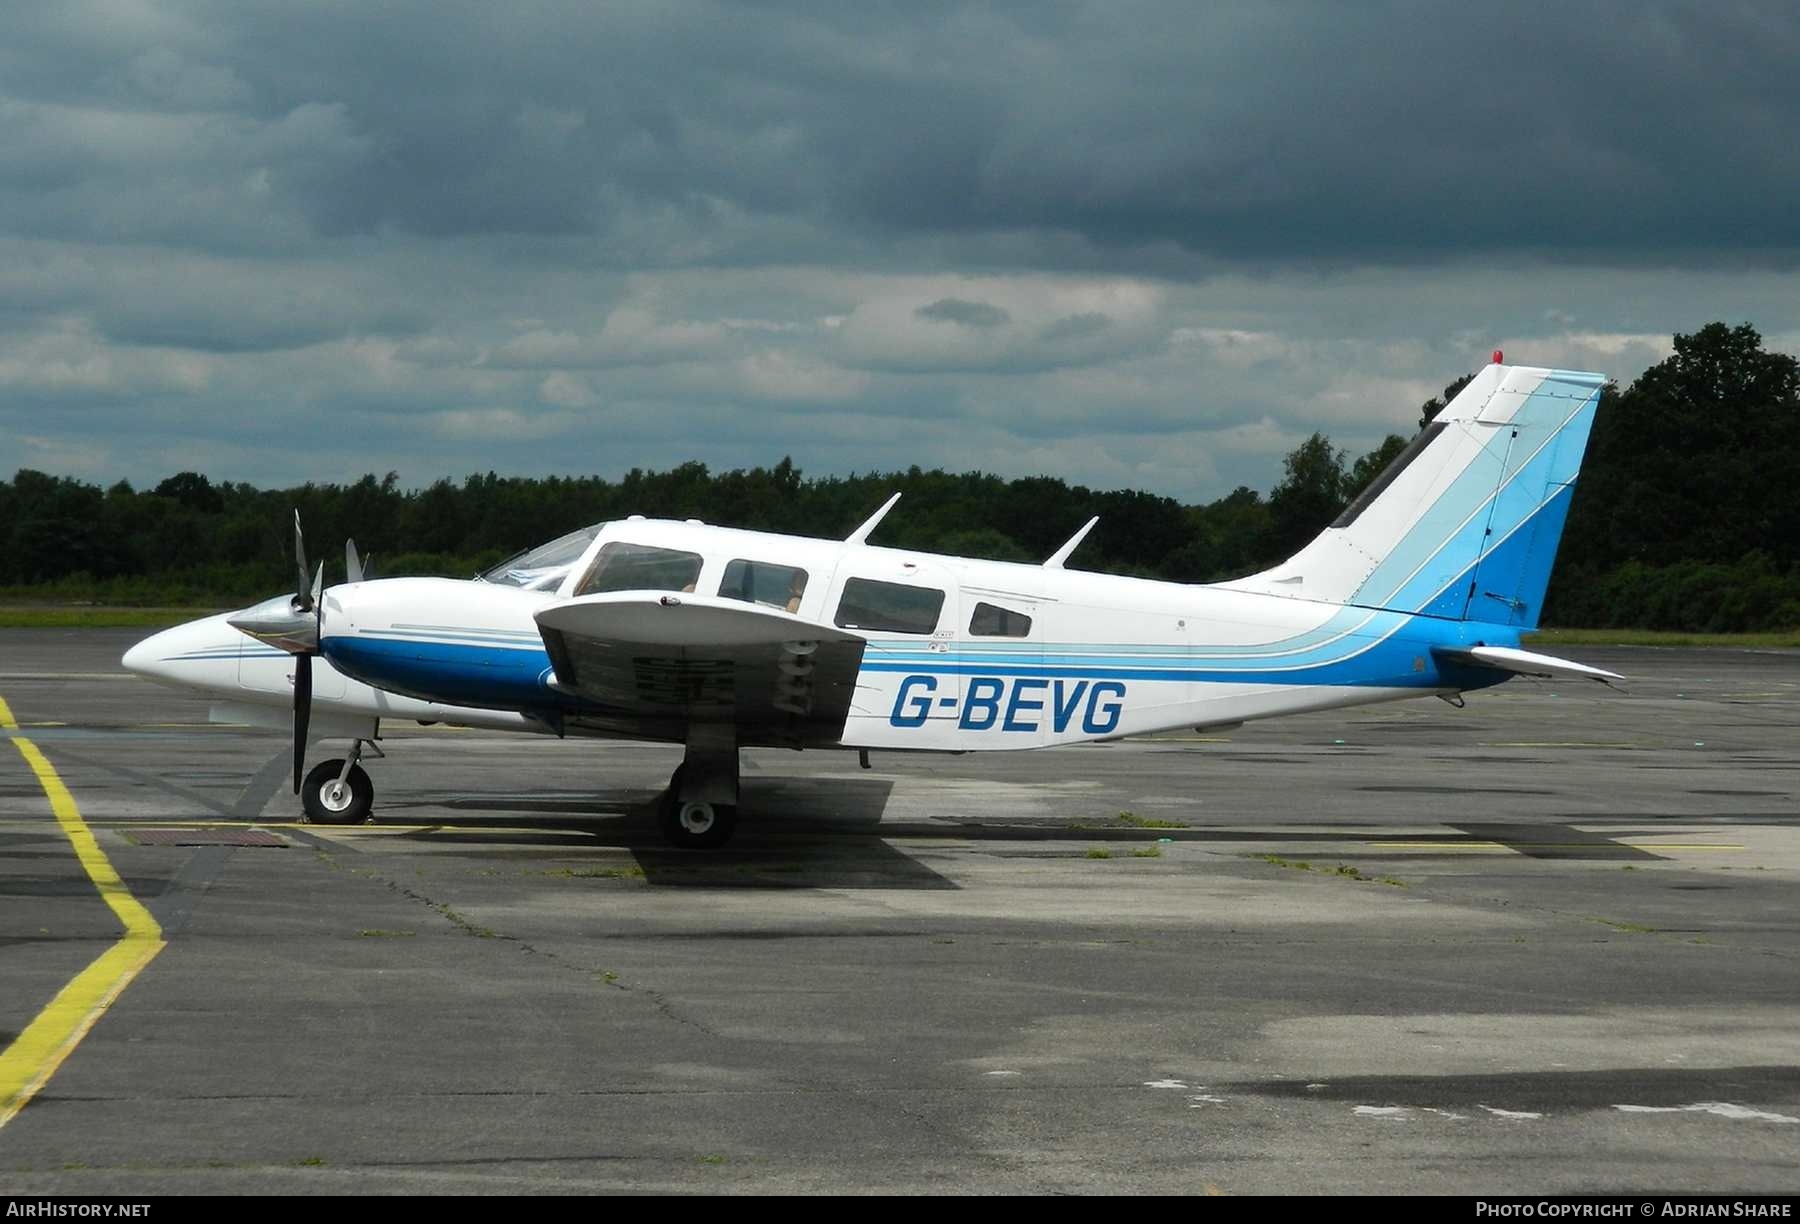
(545, 564)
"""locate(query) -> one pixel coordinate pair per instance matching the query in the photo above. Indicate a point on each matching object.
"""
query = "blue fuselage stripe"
(518, 678)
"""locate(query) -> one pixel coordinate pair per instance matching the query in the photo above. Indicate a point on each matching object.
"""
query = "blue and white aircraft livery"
(721, 639)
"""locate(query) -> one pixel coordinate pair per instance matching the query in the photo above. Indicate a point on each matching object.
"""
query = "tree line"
(1687, 514)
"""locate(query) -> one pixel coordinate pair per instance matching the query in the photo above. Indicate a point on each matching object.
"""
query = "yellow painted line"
(34, 1056)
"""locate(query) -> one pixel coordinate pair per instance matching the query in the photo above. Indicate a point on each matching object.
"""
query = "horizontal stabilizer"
(1525, 663)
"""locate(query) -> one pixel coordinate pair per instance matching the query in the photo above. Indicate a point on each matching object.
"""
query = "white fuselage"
(1016, 656)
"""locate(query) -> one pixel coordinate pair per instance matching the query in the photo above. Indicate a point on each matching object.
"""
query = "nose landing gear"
(338, 792)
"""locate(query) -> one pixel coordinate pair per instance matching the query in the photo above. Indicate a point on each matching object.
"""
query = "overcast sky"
(1147, 245)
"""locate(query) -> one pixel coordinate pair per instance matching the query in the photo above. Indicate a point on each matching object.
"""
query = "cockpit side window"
(640, 567)
(889, 607)
(991, 620)
(778, 586)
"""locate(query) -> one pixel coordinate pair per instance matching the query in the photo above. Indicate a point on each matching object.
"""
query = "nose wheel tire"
(329, 801)
(694, 824)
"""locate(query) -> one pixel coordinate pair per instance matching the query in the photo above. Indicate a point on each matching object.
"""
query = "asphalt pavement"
(1546, 943)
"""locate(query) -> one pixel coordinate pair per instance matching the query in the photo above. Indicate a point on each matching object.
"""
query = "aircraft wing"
(662, 662)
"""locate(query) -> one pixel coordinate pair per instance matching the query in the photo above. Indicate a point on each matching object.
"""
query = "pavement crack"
(658, 1000)
(455, 917)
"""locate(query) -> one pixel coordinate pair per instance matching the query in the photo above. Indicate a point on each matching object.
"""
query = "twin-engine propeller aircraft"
(721, 639)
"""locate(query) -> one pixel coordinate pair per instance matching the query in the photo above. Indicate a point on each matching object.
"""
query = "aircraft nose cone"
(145, 658)
(200, 652)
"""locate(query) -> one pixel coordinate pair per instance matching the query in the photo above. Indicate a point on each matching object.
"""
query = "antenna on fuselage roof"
(861, 534)
(1062, 554)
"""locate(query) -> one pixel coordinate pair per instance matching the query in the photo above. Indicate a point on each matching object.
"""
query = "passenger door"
(910, 678)
(1006, 699)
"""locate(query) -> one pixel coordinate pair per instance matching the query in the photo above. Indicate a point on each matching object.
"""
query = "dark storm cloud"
(1378, 131)
(1152, 243)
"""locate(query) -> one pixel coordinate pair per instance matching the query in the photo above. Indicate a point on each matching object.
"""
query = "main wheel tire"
(694, 824)
(328, 802)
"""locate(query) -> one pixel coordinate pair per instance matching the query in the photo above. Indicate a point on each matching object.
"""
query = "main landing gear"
(339, 791)
(699, 810)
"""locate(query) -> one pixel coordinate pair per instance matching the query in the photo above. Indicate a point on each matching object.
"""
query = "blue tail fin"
(1464, 525)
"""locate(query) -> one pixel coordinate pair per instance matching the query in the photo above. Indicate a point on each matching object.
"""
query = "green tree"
(192, 491)
(1309, 496)
(1696, 459)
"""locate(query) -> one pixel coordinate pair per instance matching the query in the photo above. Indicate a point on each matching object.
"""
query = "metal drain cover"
(204, 837)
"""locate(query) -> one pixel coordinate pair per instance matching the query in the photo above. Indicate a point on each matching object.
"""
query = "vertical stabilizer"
(1464, 524)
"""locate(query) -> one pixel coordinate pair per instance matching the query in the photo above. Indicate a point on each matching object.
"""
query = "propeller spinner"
(291, 623)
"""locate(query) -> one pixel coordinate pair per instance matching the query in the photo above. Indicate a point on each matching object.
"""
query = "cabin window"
(640, 567)
(777, 586)
(992, 621)
(889, 607)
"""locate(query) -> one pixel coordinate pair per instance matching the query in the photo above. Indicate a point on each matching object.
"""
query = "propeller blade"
(318, 587)
(353, 567)
(300, 591)
(302, 712)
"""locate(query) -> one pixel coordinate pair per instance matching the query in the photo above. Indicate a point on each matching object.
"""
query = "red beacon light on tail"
(1497, 356)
